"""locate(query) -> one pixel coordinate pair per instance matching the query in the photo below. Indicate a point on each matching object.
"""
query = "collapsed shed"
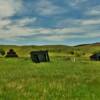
(11, 53)
(95, 57)
(40, 56)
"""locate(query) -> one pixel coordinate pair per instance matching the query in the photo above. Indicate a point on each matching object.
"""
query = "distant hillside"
(24, 51)
(92, 44)
(89, 48)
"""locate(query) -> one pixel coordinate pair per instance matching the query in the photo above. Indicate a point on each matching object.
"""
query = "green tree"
(2, 52)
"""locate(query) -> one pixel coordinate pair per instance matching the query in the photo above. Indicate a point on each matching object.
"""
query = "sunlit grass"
(60, 79)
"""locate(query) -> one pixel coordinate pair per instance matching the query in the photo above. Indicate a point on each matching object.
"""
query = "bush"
(96, 52)
(72, 53)
(2, 52)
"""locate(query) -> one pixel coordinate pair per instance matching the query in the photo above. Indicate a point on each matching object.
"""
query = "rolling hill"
(24, 51)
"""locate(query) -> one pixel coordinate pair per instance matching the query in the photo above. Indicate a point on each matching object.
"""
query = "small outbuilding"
(95, 57)
(40, 56)
(11, 53)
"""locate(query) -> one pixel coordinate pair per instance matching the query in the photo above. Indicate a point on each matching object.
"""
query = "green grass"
(61, 79)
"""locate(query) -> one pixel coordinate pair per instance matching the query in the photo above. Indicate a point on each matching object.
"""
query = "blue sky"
(49, 22)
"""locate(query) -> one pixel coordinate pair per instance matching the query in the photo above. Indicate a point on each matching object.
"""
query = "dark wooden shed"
(95, 57)
(11, 53)
(40, 56)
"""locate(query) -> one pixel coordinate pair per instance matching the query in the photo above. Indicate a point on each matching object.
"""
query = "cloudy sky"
(42, 22)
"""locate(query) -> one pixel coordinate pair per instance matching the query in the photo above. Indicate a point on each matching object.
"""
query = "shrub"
(72, 53)
(2, 52)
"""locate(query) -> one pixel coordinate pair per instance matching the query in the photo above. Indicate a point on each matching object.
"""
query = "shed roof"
(39, 52)
(96, 54)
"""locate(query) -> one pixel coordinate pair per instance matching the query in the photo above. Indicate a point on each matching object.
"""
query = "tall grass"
(60, 79)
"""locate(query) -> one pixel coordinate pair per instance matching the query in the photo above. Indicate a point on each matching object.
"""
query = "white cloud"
(90, 22)
(15, 31)
(3, 23)
(68, 23)
(25, 21)
(74, 23)
(65, 29)
(46, 7)
(9, 7)
(83, 30)
(93, 11)
(76, 3)
(9, 29)
(49, 34)
(17, 23)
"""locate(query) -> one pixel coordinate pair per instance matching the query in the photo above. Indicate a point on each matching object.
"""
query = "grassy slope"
(61, 79)
(57, 80)
(24, 51)
(90, 48)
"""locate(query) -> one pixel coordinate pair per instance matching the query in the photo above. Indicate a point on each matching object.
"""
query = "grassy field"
(59, 79)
